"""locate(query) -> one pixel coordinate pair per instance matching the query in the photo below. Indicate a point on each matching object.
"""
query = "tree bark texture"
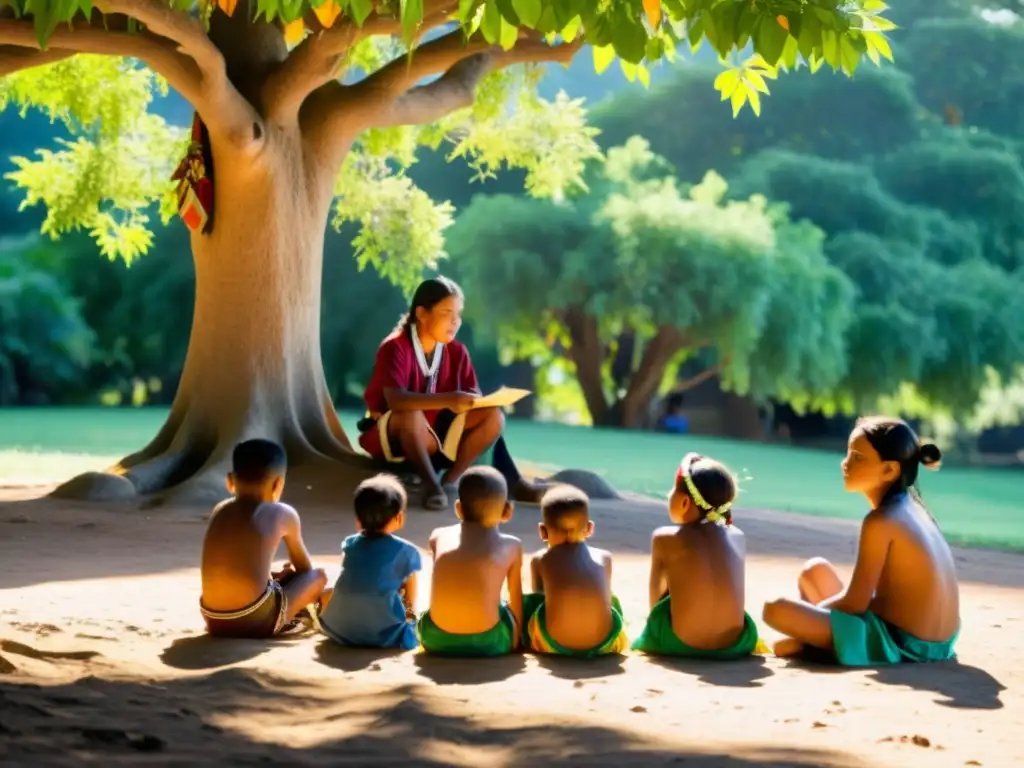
(253, 366)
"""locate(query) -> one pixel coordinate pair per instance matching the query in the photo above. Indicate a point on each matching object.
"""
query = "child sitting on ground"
(241, 596)
(373, 601)
(903, 602)
(697, 571)
(472, 560)
(572, 610)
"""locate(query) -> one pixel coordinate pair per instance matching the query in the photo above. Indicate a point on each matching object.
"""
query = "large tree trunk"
(253, 367)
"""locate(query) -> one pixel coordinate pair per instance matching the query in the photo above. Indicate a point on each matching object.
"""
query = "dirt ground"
(102, 661)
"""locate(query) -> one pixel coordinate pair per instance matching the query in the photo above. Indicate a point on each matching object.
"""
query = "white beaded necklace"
(429, 372)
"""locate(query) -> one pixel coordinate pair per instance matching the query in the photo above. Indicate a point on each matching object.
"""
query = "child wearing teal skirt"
(571, 611)
(903, 602)
(697, 588)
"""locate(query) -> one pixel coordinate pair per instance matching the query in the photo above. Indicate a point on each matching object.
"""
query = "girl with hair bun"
(903, 601)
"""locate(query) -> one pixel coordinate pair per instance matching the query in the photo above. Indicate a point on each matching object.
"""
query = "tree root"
(186, 465)
(183, 467)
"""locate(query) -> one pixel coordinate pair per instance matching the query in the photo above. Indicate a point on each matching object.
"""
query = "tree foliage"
(823, 114)
(97, 180)
(644, 275)
(933, 256)
(989, 91)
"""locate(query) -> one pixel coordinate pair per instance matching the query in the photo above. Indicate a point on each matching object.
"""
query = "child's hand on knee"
(286, 570)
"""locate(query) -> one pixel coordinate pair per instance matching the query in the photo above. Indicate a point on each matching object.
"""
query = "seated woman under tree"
(421, 396)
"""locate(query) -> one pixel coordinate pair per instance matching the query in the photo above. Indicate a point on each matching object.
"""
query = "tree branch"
(456, 88)
(14, 58)
(228, 115)
(315, 61)
(179, 27)
(700, 378)
(159, 54)
(174, 46)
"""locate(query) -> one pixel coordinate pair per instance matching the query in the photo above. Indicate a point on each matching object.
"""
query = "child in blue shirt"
(373, 602)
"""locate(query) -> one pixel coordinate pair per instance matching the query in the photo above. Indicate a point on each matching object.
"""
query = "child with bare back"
(241, 596)
(472, 561)
(903, 602)
(571, 610)
(697, 586)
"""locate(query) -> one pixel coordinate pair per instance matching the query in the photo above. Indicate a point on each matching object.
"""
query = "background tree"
(291, 127)
(45, 344)
(934, 265)
(643, 276)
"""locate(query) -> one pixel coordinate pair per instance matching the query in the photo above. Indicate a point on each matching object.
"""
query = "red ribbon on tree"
(194, 175)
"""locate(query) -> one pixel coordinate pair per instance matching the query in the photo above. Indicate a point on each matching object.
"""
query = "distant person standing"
(674, 420)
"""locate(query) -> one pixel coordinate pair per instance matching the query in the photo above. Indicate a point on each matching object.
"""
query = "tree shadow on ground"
(245, 717)
(339, 657)
(568, 668)
(733, 673)
(961, 685)
(456, 671)
(205, 652)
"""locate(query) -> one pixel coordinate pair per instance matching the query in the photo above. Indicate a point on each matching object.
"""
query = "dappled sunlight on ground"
(99, 612)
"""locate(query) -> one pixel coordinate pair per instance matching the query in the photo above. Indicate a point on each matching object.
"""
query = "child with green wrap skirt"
(903, 601)
(571, 611)
(697, 587)
(473, 561)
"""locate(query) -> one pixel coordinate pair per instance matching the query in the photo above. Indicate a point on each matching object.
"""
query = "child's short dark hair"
(482, 490)
(255, 461)
(565, 508)
(377, 502)
(714, 485)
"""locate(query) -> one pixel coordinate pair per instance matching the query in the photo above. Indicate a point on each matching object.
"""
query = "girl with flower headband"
(420, 400)
(697, 585)
(902, 602)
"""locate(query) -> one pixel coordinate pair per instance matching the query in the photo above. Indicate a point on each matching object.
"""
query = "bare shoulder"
(602, 556)
(737, 540)
(513, 547)
(665, 532)
(879, 524)
(442, 531)
(540, 554)
(437, 541)
(276, 517)
(223, 505)
(282, 513)
(512, 541)
(219, 508)
(668, 538)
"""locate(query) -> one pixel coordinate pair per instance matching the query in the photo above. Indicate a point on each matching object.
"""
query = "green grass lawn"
(974, 506)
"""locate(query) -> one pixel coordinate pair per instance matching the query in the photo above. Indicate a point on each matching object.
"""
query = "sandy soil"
(102, 661)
